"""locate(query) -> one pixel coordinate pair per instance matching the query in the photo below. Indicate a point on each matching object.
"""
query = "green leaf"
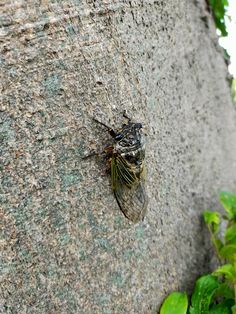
(204, 290)
(227, 271)
(233, 309)
(218, 243)
(218, 8)
(175, 303)
(228, 201)
(212, 219)
(220, 24)
(224, 291)
(228, 251)
(230, 235)
(222, 308)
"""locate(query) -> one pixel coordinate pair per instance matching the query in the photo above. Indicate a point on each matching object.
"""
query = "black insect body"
(126, 162)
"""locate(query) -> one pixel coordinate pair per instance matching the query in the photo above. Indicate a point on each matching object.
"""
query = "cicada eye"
(118, 137)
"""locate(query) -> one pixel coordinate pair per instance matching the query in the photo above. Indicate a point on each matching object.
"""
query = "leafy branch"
(214, 293)
(219, 12)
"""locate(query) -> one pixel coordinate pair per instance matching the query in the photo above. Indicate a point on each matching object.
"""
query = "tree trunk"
(66, 246)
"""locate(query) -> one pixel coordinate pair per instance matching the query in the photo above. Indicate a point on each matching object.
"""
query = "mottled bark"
(66, 247)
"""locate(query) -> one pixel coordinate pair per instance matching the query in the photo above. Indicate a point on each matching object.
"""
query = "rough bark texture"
(66, 247)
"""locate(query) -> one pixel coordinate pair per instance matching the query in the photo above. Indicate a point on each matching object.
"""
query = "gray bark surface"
(66, 247)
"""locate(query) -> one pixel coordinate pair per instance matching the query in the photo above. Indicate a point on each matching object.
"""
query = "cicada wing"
(132, 202)
(128, 189)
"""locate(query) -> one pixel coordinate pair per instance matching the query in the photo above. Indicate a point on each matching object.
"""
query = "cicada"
(125, 155)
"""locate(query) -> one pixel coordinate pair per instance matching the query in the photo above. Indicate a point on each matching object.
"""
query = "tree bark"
(66, 246)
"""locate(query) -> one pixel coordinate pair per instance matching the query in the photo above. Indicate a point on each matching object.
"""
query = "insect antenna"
(110, 130)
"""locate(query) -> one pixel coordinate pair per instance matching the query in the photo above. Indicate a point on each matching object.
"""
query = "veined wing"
(129, 189)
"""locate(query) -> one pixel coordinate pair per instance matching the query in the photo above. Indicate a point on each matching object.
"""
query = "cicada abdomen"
(126, 158)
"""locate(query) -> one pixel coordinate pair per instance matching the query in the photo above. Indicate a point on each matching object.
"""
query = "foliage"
(175, 303)
(214, 293)
(219, 10)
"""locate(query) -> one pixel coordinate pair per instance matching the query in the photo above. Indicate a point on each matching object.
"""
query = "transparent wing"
(129, 189)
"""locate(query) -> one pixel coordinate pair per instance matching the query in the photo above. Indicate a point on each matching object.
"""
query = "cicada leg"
(91, 154)
(126, 116)
(110, 130)
(105, 153)
(107, 150)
